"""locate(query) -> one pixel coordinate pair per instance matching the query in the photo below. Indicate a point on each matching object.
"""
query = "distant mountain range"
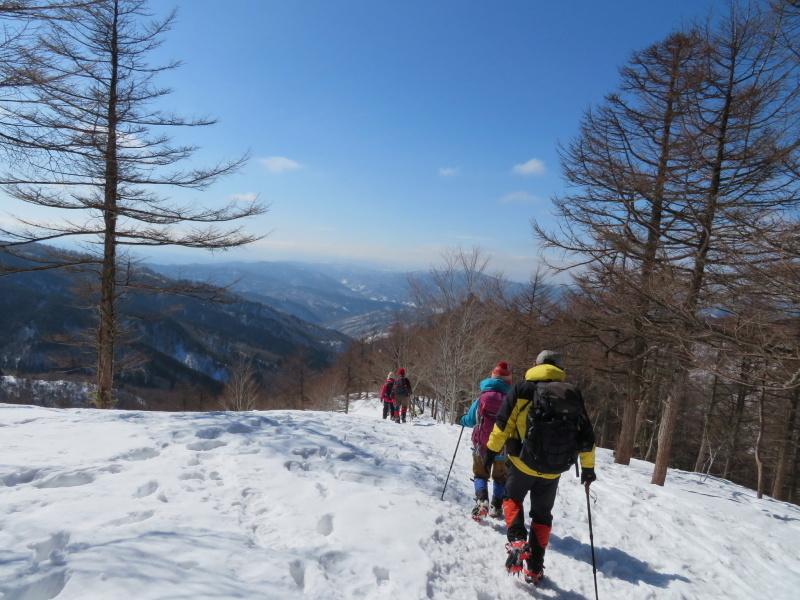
(182, 340)
(353, 300)
(278, 310)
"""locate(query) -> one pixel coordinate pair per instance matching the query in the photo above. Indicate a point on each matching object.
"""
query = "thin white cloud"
(449, 171)
(279, 164)
(246, 197)
(533, 167)
(520, 196)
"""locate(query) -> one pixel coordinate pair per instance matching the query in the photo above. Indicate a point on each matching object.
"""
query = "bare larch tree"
(87, 138)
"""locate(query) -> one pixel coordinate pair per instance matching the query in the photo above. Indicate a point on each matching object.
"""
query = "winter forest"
(670, 284)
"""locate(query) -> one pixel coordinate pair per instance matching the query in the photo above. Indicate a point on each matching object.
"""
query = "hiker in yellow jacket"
(540, 448)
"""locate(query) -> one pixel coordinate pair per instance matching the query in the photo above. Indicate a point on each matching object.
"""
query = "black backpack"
(401, 387)
(557, 429)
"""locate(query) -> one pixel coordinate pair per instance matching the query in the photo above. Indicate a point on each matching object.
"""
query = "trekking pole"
(591, 540)
(451, 462)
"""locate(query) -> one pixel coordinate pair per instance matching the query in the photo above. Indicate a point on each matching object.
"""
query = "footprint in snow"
(46, 549)
(140, 454)
(46, 588)
(145, 490)
(73, 479)
(19, 477)
(381, 575)
(305, 452)
(323, 491)
(206, 445)
(330, 561)
(239, 428)
(294, 466)
(130, 518)
(325, 525)
(211, 433)
(298, 572)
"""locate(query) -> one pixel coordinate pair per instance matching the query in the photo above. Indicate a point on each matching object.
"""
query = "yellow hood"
(544, 373)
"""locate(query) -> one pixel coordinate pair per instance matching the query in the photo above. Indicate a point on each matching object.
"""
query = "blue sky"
(386, 132)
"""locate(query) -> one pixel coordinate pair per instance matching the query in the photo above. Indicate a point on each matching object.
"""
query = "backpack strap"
(537, 395)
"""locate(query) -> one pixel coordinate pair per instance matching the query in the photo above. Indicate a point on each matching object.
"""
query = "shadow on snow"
(612, 562)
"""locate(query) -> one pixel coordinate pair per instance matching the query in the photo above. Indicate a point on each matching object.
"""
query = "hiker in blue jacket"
(481, 417)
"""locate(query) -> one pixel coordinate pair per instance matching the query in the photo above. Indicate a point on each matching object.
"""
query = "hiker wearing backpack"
(386, 396)
(401, 392)
(481, 417)
(544, 427)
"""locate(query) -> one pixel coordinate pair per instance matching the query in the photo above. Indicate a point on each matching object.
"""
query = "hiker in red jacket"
(386, 396)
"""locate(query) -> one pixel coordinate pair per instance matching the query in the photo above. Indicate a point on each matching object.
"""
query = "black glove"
(587, 475)
(489, 460)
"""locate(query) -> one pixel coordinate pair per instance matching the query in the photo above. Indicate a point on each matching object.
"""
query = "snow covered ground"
(109, 505)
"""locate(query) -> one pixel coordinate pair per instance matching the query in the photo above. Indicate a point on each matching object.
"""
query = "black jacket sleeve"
(587, 439)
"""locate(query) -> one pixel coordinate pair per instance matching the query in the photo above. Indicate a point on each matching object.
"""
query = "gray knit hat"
(550, 357)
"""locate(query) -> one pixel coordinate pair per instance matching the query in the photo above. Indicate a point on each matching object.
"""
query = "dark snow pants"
(388, 409)
(543, 496)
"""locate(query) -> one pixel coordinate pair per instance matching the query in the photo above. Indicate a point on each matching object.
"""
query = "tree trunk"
(733, 434)
(666, 430)
(623, 452)
(651, 445)
(794, 473)
(604, 429)
(641, 417)
(107, 325)
(781, 467)
(704, 444)
(759, 443)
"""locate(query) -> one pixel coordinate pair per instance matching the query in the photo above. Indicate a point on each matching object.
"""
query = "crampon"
(518, 552)
(480, 510)
(532, 576)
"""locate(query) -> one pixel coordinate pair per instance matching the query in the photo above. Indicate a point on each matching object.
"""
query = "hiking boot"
(534, 576)
(496, 510)
(517, 553)
(397, 420)
(404, 417)
(480, 510)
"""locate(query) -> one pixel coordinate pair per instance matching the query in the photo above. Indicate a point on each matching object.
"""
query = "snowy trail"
(299, 505)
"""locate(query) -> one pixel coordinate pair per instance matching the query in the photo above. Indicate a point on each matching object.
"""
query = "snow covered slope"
(108, 505)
